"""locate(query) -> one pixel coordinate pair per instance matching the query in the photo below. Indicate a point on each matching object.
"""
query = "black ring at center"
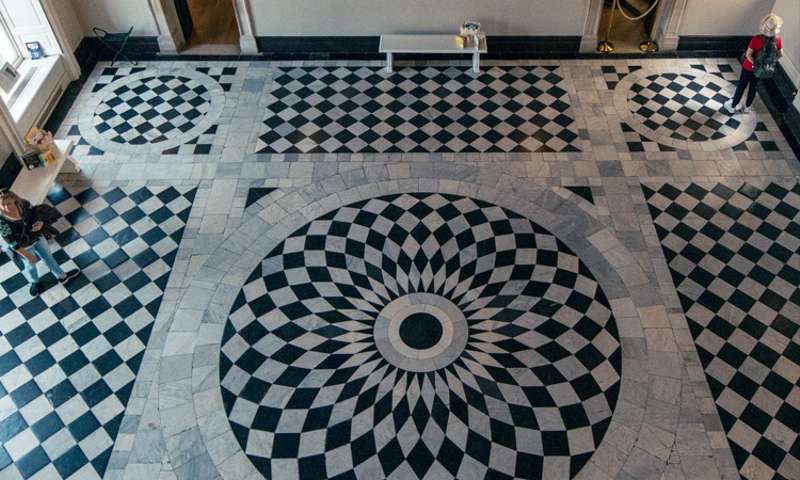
(420, 331)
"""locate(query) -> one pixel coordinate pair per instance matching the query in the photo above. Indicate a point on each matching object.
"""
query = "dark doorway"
(208, 22)
(184, 17)
(626, 35)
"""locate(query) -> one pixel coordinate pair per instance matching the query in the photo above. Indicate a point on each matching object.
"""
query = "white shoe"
(729, 107)
(746, 109)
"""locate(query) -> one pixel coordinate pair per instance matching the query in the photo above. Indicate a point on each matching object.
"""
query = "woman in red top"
(770, 30)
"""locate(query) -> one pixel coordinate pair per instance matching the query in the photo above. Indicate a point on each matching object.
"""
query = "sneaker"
(35, 289)
(746, 109)
(69, 276)
(729, 107)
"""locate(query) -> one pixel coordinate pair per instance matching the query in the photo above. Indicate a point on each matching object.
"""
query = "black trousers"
(746, 79)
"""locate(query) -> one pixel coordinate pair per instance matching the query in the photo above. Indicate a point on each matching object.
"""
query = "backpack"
(46, 214)
(766, 59)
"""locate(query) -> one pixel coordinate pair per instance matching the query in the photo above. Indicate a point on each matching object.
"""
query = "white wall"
(67, 16)
(116, 16)
(374, 17)
(790, 11)
(725, 17)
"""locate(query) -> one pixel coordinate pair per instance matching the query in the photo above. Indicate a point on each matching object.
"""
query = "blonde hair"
(771, 25)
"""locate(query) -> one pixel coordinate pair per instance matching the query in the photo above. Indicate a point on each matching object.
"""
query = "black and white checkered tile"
(201, 145)
(82, 147)
(582, 191)
(151, 109)
(612, 74)
(112, 74)
(420, 336)
(255, 194)
(761, 140)
(69, 358)
(734, 256)
(363, 109)
(682, 107)
(225, 76)
(722, 70)
(636, 142)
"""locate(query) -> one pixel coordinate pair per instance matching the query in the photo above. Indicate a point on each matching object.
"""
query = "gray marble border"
(196, 429)
(216, 98)
(626, 114)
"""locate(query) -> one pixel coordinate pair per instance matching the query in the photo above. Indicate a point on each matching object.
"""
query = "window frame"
(6, 30)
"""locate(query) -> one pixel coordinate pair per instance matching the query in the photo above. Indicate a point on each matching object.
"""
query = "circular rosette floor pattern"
(420, 336)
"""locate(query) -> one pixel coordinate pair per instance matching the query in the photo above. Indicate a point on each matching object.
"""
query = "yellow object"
(648, 46)
(48, 156)
(41, 140)
(460, 41)
(605, 47)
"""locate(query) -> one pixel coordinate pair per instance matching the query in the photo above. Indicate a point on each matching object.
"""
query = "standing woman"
(22, 233)
(770, 32)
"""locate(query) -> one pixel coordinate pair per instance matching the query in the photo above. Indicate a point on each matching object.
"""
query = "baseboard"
(713, 45)
(91, 50)
(509, 47)
(366, 48)
(778, 93)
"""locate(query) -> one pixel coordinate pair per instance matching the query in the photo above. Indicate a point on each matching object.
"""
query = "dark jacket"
(17, 233)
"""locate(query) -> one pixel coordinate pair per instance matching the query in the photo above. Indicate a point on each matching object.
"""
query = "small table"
(33, 185)
(391, 44)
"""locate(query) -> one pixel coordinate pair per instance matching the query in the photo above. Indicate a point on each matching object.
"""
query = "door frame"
(665, 29)
(170, 38)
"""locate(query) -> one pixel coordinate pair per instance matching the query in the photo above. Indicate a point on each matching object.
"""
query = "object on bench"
(116, 42)
(433, 44)
(33, 185)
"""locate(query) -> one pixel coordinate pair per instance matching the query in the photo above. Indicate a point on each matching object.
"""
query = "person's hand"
(31, 258)
(37, 226)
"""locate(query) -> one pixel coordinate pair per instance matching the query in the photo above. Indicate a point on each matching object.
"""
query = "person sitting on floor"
(25, 235)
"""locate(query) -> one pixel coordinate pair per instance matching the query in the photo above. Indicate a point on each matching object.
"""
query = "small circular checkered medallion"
(682, 106)
(152, 109)
(420, 336)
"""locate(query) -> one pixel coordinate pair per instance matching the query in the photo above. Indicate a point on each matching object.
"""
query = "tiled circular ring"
(159, 109)
(681, 107)
(444, 351)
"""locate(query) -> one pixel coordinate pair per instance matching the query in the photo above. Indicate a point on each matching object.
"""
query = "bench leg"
(71, 165)
(476, 62)
(389, 62)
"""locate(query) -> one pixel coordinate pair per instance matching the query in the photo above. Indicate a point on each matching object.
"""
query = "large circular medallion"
(420, 336)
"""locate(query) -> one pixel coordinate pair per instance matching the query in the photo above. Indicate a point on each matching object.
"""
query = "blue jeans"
(42, 250)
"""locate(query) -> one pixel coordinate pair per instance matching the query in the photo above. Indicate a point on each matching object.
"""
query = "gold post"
(606, 46)
(648, 46)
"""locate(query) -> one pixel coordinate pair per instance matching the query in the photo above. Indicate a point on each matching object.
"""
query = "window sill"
(33, 75)
(39, 80)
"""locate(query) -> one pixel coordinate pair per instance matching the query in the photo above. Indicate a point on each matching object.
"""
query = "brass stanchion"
(648, 46)
(606, 46)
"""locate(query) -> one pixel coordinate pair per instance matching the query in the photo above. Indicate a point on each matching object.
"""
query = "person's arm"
(749, 55)
(10, 242)
(780, 53)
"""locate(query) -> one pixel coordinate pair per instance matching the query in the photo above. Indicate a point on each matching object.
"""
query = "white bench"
(33, 185)
(422, 44)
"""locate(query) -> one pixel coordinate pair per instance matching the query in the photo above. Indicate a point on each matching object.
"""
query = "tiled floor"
(571, 269)
(734, 255)
(352, 110)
